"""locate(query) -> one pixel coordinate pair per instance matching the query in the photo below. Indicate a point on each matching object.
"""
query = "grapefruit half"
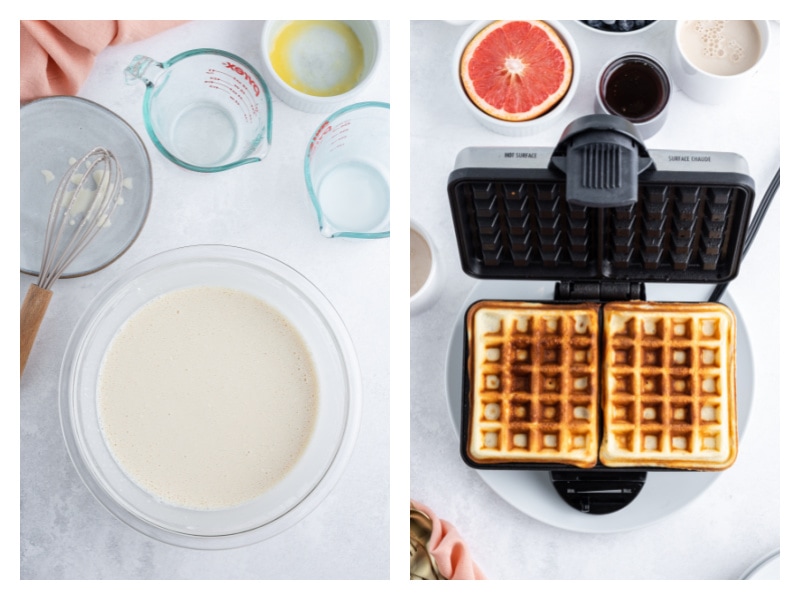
(516, 70)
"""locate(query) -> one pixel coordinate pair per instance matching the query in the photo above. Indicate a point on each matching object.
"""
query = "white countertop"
(736, 520)
(64, 532)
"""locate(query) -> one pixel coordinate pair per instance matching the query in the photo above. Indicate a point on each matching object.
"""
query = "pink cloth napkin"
(449, 549)
(56, 56)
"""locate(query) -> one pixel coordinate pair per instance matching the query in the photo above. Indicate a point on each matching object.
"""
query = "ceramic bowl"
(427, 289)
(372, 41)
(516, 128)
(607, 32)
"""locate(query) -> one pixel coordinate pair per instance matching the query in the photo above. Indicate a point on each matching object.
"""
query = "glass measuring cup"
(347, 172)
(206, 110)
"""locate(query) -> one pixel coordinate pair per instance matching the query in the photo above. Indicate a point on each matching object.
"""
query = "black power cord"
(752, 228)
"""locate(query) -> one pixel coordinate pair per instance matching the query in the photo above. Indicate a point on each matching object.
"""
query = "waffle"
(669, 388)
(533, 371)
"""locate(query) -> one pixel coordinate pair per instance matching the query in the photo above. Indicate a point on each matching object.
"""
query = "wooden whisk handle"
(30, 318)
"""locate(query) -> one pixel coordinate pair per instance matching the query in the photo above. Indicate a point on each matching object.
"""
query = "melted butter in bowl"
(319, 58)
(321, 66)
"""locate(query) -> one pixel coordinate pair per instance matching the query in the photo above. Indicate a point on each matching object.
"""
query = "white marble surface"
(64, 532)
(736, 520)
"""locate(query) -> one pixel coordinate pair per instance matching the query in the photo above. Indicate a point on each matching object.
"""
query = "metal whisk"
(85, 199)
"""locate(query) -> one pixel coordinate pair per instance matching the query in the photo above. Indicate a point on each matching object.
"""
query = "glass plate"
(53, 130)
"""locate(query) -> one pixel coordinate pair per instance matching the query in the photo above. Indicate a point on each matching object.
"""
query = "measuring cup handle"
(143, 68)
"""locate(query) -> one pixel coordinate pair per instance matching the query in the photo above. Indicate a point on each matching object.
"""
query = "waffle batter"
(207, 397)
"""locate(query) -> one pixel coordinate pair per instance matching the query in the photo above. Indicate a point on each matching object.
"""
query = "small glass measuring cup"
(347, 172)
(206, 110)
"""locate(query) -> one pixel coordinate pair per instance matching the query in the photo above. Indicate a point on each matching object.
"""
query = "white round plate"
(531, 491)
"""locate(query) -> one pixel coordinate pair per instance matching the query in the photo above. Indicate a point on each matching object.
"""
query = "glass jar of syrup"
(637, 88)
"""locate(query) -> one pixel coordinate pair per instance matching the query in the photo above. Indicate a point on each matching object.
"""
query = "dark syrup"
(634, 88)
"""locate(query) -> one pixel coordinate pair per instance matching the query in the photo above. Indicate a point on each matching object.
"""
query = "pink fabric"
(56, 56)
(449, 550)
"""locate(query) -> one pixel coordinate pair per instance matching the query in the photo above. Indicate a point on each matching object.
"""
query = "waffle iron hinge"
(604, 491)
(606, 291)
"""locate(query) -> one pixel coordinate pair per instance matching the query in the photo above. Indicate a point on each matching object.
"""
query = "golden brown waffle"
(534, 372)
(669, 388)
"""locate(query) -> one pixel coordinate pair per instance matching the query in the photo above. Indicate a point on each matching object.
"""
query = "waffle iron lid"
(600, 206)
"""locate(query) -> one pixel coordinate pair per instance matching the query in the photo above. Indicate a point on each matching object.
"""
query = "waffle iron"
(600, 215)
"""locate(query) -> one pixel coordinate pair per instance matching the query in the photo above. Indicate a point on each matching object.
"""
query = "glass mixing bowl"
(339, 406)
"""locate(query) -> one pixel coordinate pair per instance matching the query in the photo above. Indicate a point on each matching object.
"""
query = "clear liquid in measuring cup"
(354, 196)
(203, 134)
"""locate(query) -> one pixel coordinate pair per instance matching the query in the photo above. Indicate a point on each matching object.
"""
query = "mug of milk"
(424, 269)
(712, 61)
